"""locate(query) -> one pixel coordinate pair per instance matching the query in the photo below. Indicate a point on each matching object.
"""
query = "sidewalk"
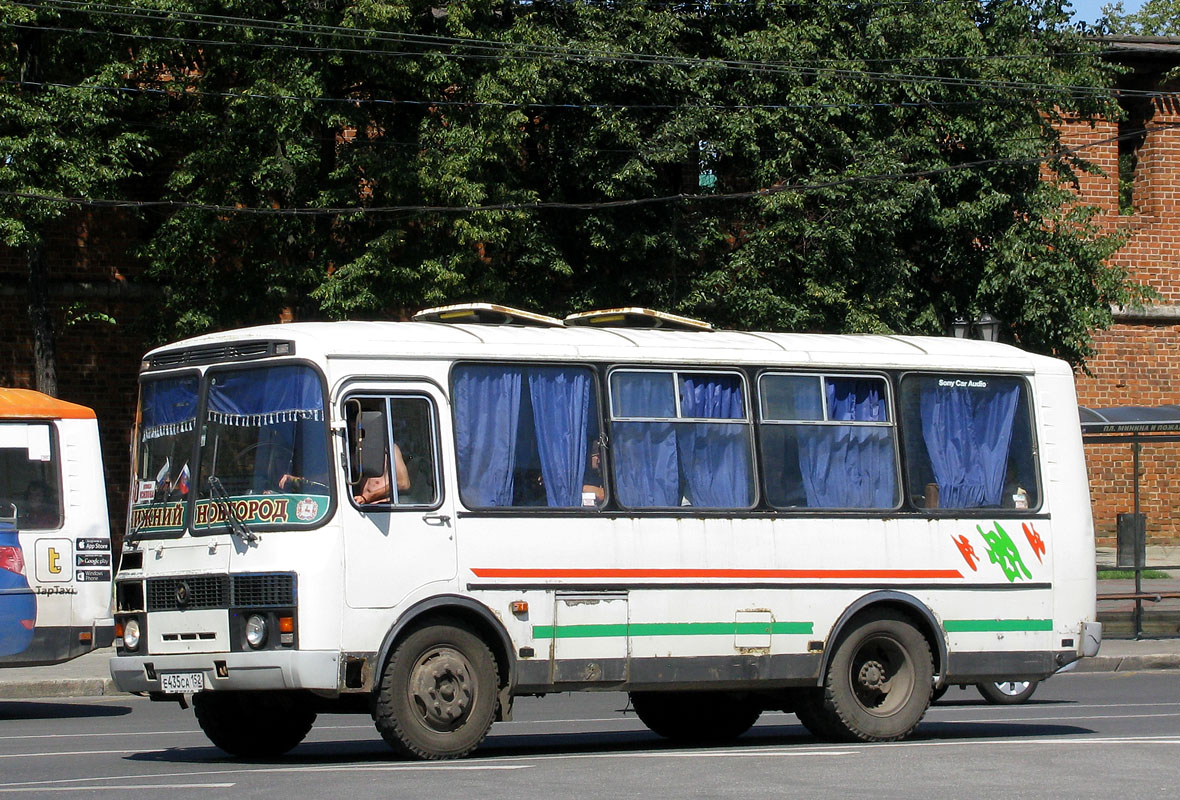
(89, 676)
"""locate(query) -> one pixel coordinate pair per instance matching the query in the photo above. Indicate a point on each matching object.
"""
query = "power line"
(186, 92)
(603, 205)
(324, 49)
(495, 49)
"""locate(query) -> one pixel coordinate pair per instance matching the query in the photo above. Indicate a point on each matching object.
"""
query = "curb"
(1128, 663)
(70, 687)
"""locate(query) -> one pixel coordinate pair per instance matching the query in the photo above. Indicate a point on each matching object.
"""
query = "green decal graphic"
(263, 509)
(158, 517)
(668, 629)
(1002, 550)
(996, 625)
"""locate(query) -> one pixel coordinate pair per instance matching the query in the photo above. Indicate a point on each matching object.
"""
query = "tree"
(55, 142)
(796, 166)
(1154, 18)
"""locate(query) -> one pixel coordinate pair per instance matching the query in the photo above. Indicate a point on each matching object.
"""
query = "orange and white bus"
(56, 562)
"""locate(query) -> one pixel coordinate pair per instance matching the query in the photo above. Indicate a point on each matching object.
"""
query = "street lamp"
(987, 327)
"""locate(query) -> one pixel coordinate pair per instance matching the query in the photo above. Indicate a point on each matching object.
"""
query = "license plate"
(182, 682)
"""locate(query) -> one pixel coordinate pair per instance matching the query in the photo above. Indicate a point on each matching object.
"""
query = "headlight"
(131, 634)
(256, 631)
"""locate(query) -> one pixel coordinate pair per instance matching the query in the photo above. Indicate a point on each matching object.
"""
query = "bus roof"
(433, 340)
(28, 404)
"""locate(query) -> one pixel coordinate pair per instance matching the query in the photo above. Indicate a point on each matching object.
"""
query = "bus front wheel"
(695, 716)
(438, 693)
(880, 679)
(253, 724)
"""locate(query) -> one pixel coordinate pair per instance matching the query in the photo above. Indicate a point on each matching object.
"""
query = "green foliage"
(868, 167)
(1154, 18)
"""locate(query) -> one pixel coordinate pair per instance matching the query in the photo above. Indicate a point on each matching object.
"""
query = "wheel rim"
(882, 675)
(1011, 688)
(441, 689)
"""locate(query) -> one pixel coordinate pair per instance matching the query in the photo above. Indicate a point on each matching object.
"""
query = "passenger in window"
(38, 507)
(376, 490)
(592, 492)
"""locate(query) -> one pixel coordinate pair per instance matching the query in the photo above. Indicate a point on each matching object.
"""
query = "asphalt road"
(1096, 735)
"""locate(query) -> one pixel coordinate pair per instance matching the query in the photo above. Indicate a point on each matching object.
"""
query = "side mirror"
(371, 447)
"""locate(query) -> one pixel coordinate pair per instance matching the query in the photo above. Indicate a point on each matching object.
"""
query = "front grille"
(199, 591)
(220, 591)
(263, 590)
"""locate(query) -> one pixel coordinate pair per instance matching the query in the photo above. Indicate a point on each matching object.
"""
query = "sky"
(1091, 10)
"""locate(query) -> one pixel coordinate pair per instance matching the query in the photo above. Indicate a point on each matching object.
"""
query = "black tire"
(253, 724)
(1007, 693)
(815, 716)
(938, 693)
(696, 716)
(879, 681)
(438, 693)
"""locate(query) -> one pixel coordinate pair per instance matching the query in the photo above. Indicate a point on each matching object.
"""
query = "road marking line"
(122, 788)
(246, 771)
(135, 750)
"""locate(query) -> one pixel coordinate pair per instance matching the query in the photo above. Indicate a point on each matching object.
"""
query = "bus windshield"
(264, 449)
(165, 439)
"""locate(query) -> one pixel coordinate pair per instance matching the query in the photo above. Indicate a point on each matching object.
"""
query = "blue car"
(18, 604)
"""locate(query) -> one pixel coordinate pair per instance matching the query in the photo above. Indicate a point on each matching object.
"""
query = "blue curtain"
(487, 414)
(265, 396)
(561, 408)
(849, 466)
(169, 407)
(645, 463)
(968, 432)
(714, 457)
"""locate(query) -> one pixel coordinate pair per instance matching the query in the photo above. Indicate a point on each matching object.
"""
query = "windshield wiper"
(236, 526)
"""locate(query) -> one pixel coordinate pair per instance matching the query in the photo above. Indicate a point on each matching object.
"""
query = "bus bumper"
(291, 669)
(1091, 638)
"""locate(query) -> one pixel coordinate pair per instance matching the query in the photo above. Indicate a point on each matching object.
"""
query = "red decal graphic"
(1035, 540)
(967, 550)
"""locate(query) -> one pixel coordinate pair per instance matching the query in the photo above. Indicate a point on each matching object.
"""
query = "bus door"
(399, 533)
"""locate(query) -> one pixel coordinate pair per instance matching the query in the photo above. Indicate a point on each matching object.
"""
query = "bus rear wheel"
(695, 716)
(253, 724)
(879, 682)
(438, 693)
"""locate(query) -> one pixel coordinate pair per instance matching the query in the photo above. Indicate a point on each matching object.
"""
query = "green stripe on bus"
(668, 629)
(996, 625)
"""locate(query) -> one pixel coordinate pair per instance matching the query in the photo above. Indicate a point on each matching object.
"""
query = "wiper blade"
(236, 526)
(136, 533)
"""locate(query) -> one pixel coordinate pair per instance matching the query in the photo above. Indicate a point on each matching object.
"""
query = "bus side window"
(527, 435)
(827, 441)
(681, 439)
(969, 442)
(391, 450)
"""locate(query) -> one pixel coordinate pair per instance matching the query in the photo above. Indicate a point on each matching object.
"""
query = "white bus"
(422, 520)
(55, 542)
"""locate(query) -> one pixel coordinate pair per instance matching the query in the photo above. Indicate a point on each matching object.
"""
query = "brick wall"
(1138, 360)
(97, 363)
